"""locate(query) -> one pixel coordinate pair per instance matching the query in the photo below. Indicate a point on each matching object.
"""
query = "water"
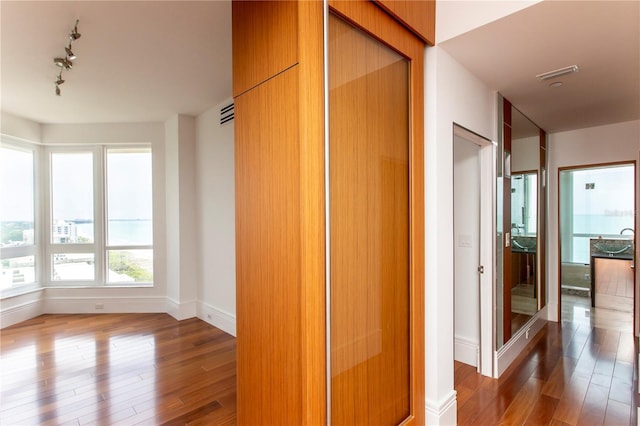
(123, 232)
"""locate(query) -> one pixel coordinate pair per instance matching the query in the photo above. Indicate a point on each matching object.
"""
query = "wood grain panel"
(542, 226)
(507, 258)
(361, 138)
(265, 41)
(312, 208)
(268, 252)
(369, 229)
(419, 16)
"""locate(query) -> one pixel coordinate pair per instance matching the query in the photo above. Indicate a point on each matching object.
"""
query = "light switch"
(464, 240)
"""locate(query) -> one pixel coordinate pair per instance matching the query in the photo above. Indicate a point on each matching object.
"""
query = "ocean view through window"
(101, 205)
(96, 207)
(17, 217)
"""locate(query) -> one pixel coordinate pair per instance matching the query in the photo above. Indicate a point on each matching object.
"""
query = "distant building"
(64, 232)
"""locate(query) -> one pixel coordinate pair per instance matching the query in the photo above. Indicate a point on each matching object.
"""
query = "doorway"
(597, 245)
(474, 195)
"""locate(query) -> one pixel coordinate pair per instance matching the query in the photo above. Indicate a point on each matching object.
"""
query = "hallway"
(580, 372)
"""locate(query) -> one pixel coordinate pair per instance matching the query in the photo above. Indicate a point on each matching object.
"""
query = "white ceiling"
(601, 37)
(148, 60)
(137, 60)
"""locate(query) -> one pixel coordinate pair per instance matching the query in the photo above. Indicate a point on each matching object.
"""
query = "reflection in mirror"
(519, 199)
(524, 202)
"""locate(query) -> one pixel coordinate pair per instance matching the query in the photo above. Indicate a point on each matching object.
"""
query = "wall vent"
(227, 113)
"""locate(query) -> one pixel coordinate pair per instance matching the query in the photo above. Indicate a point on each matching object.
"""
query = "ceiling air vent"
(226, 113)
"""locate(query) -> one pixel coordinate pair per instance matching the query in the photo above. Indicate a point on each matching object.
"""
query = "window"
(129, 216)
(101, 227)
(594, 202)
(17, 217)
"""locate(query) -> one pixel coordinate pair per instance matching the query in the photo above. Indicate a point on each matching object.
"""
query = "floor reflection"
(577, 309)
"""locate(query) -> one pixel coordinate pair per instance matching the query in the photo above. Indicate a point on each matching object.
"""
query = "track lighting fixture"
(70, 55)
(75, 34)
(66, 63)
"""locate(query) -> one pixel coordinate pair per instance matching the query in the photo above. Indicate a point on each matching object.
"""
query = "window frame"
(35, 249)
(99, 247)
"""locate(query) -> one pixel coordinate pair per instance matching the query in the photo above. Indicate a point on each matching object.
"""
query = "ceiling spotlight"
(63, 63)
(557, 73)
(70, 55)
(75, 34)
(57, 90)
(59, 80)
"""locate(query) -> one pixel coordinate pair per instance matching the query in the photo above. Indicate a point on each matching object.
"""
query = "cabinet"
(284, 233)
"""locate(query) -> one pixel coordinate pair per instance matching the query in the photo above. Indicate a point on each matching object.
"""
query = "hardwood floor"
(614, 284)
(575, 373)
(127, 369)
(149, 369)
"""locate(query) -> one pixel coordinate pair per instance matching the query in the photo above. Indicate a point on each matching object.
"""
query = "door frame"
(636, 299)
(487, 156)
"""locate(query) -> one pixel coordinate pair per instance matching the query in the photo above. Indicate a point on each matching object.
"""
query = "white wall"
(181, 233)
(19, 128)
(452, 95)
(216, 220)
(525, 154)
(591, 146)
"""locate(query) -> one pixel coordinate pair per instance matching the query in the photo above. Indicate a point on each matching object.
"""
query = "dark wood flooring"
(116, 369)
(571, 374)
(149, 369)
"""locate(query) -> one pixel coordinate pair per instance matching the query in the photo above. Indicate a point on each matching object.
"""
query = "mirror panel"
(519, 205)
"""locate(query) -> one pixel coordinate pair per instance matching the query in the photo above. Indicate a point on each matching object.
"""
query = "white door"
(473, 249)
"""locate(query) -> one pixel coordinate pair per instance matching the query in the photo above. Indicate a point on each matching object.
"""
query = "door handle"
(481, 269)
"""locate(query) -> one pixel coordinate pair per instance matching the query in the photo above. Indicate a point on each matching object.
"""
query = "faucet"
(518, 228)
(627, 229)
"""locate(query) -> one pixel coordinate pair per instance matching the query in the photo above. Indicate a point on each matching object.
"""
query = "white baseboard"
(217, 318)
(443, 412)
(181, 310)
(510, 351)
(466, 351)
(21, 312)
(103, 305)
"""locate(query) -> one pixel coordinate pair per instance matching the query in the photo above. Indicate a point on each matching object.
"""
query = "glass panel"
(129, 266)
(72, 198)
(73, 267)
(17, 271)
(369, 235)
(17, 200)
(129, 197)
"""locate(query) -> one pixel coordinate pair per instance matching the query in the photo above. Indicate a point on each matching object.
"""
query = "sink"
(523, 244)
(619, 248)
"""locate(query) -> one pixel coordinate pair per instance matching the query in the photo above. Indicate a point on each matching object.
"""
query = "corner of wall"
(21, 308)
(443, 412)
(217, 318)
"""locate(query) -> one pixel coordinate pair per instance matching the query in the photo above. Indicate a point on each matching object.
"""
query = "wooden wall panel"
(542, 215)
(265, 41)
(418, 16)
(369, 199)
(507, 264)
(312, 226)
(268, 251)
